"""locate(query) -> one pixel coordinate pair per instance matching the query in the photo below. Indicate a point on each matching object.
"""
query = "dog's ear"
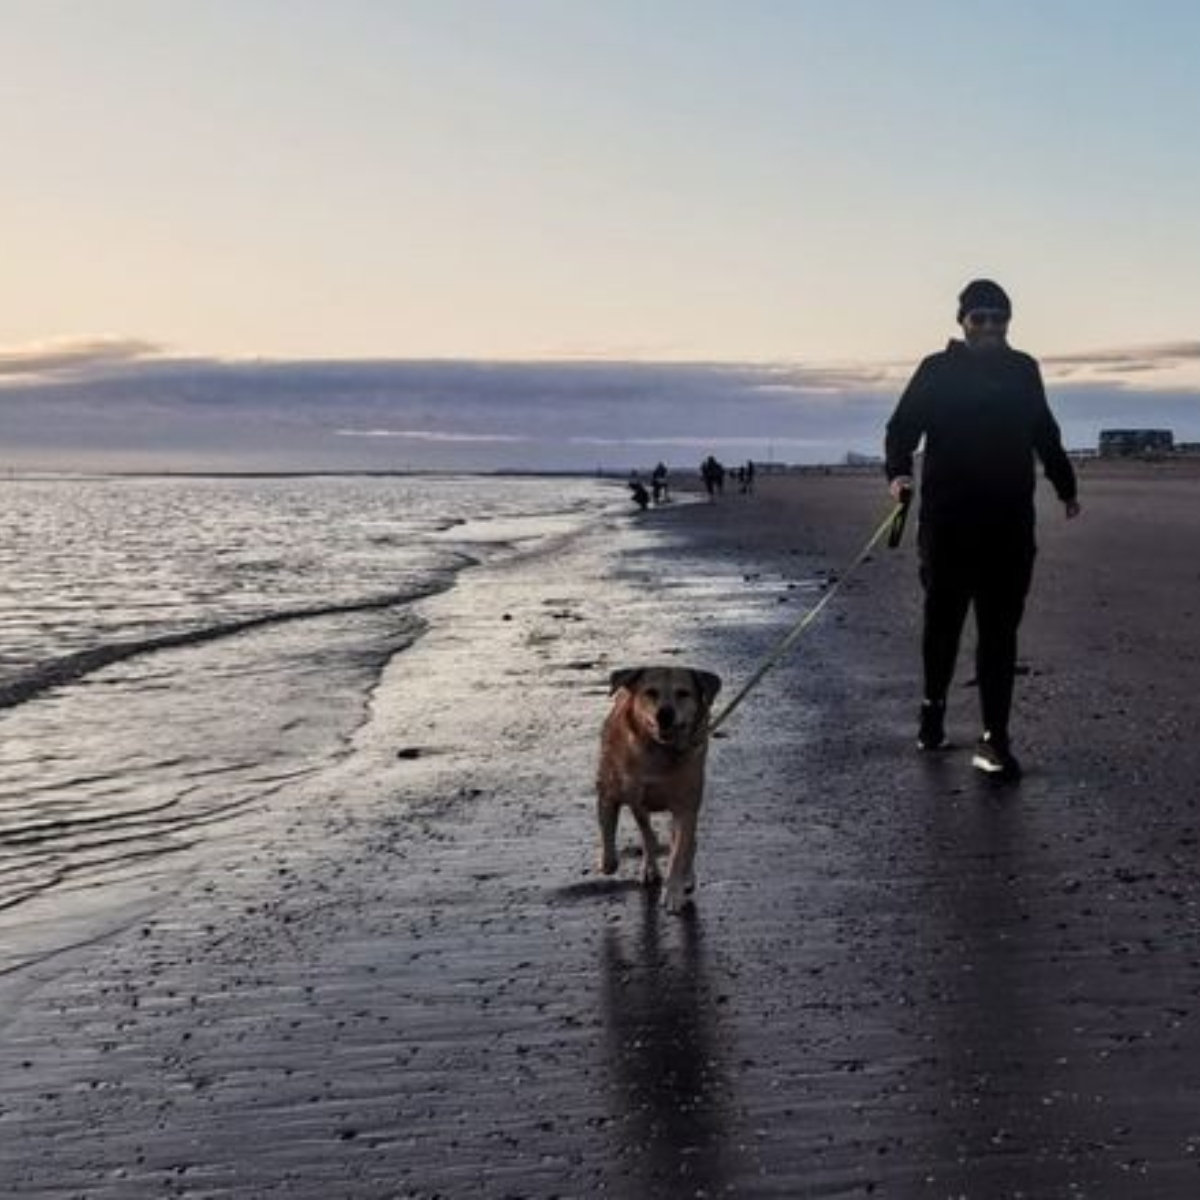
(627, 677)
(707, 684)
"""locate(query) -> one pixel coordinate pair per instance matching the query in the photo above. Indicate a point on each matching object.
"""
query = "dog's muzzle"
(670, 731)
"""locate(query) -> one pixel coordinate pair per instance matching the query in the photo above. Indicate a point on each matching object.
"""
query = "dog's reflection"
(665, 1053)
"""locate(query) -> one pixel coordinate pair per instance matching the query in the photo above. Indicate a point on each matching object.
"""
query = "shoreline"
(896, 982)
(87, 865)
(1183, 463)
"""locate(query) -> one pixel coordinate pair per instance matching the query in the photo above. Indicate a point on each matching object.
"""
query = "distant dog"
(652, 754)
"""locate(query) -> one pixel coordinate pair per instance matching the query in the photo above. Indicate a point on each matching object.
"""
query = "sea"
(174, 650)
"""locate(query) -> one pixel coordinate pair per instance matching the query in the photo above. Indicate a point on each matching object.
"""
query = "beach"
(402, 977)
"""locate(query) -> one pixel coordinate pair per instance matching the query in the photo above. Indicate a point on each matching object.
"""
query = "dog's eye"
(683, 694)
(652, 694)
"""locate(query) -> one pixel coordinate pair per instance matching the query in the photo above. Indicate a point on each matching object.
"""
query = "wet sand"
(899, 981)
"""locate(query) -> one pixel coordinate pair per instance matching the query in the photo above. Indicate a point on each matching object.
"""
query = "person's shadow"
(665, 1055)
(1017, 1120)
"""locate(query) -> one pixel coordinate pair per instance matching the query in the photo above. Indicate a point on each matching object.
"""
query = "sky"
(536, 233)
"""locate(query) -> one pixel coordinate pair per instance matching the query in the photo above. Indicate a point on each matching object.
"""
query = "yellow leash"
(893, 523)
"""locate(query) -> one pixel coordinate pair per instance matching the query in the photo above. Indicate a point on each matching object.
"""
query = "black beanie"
(983, 293)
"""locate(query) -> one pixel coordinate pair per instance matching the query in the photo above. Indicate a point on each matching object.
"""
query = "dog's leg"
(607, 811)
(650, 849)
(681, 877)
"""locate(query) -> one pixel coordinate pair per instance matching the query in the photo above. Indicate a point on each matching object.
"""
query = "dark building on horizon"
(1136, 443)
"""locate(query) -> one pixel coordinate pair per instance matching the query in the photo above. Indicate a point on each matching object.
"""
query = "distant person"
(641, 497)
(981, 408)
(748, 477)
(709, 470)
(658, 483)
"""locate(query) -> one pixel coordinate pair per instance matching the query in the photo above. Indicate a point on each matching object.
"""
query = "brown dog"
(652, 754)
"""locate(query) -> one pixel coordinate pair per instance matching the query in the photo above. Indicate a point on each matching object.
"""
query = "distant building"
(1135, 443)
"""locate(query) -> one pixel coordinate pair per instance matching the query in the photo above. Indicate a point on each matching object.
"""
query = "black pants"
(989, 568)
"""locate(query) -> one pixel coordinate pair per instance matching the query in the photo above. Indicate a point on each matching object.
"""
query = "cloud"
(694, 443)
(1135, 360)
(81, 357)
(833, 379)
(377, 414)
(431, 435)
(122, 404)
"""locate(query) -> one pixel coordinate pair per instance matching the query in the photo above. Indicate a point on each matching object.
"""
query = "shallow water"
(92, 564)
(174, 651)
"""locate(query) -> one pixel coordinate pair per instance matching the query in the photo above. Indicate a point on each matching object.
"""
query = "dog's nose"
(666, 717)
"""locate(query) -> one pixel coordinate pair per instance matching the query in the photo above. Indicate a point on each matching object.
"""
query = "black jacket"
(984, 416)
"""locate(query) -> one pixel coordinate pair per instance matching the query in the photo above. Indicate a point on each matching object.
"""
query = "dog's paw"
(606, 862)
(651, 875)
(676, 899)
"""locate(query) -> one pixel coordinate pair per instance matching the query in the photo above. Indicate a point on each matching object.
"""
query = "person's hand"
(1072, 509)
(902, 483)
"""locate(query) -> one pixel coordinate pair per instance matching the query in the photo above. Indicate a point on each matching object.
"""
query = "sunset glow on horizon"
(800, 184)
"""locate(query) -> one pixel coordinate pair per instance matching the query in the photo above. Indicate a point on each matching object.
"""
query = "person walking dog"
(981, 409)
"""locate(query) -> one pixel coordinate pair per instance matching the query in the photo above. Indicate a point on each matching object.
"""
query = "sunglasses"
(977, 318)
